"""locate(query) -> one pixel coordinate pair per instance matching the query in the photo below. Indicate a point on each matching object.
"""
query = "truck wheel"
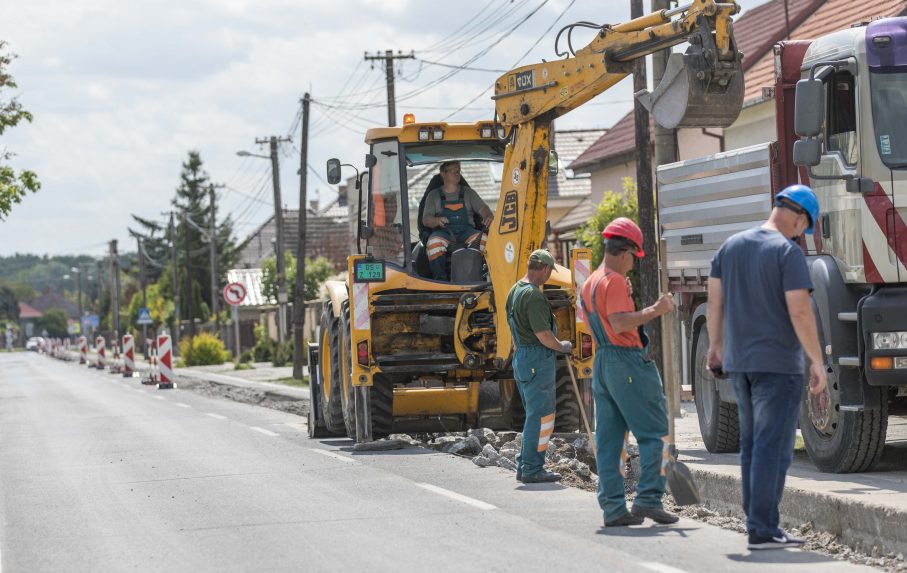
(348, 404)
(566, 418)
(842, 441)
(331, 369)
(718, 421)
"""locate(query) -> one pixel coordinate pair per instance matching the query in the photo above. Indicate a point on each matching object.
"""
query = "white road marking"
(456, 496)
(218, 416)
(181, 405)
(661, 567)
(159, 398)
(334, 455)
(263, 431)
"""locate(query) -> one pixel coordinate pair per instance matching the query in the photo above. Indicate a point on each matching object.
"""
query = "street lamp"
(278, 220)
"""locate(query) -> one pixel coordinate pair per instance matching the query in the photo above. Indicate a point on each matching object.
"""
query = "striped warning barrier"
(100, 343)
(165, 358)
(83, 350)
(128, 356)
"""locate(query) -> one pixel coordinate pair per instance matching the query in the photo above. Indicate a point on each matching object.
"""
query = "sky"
(122, 90)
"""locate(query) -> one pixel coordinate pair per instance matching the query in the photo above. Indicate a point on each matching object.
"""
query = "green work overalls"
(459, 229)
(628, 394)
(534, 371)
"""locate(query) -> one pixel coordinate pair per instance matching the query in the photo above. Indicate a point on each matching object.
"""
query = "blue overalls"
(534, 371)
(459, 229)
(628, 394)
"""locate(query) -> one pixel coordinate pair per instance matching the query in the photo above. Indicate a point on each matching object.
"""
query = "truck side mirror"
(370, 160)
(552, 162)
(365, 231)
(860, 185)
(333, 171)
(807, 152)
(809, 107)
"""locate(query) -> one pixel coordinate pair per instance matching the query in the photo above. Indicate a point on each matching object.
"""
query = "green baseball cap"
(542, 256)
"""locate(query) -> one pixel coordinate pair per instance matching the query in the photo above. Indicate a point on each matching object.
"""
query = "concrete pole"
(212, 231)
(281, 270)
(299, 296)
(190, 300)
(175, 335)
(114, 290)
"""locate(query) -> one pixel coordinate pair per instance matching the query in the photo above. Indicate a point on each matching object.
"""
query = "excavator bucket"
(696, 93)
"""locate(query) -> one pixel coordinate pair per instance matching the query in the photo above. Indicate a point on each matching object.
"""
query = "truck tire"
(567, 416)
(331, 369)
(347, 400)
(842, 441)
(719, 422)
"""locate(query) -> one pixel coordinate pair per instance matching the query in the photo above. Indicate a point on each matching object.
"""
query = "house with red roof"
(613, 157)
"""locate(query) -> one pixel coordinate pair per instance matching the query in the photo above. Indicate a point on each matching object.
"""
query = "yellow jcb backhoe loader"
(402, 352)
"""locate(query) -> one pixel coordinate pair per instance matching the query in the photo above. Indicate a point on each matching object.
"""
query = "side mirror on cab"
(333, 171)
(809, 107)
(807, 152)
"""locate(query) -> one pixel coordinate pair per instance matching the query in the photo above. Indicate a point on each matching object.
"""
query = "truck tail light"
(362, 353)
(585, 343)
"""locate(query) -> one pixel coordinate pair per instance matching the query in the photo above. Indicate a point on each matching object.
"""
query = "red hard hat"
(623, 227)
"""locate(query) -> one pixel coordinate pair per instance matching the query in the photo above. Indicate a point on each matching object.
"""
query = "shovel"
(678, 475)
(582, 409)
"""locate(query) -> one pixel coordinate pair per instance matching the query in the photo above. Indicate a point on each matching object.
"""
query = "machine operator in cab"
(450, 211)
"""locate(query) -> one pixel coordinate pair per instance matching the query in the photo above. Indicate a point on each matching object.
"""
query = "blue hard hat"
(804, 197)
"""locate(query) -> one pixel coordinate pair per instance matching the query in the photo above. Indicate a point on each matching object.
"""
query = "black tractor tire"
(331, 369)
(347, 398)
(848, 442)
(382, 400)
(719, 421)
(567, 416)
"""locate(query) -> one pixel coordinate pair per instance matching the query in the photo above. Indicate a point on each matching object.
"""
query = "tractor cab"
(403, 170)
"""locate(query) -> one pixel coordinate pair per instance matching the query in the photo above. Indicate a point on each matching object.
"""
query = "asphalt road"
(98, 473)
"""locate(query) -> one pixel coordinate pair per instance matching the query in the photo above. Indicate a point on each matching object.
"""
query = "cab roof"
(409, 133)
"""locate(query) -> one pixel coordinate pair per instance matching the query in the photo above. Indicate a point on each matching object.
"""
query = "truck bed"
(703, 201)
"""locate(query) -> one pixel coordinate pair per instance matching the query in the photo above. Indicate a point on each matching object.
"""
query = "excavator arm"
(702, 87)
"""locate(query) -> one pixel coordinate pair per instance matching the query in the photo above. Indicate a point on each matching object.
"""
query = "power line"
(467, 68)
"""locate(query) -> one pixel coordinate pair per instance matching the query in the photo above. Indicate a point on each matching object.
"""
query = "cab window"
(841, 117)
(385, 204)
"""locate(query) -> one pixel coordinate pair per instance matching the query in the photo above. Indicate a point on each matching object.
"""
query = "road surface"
(98, 473)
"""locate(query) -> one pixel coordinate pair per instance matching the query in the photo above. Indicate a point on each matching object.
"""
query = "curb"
(862, 526)
(280, 390)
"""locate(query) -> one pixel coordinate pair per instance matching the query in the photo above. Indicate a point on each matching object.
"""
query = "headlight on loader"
(889, 340)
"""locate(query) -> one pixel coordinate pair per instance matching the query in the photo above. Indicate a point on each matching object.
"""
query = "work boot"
(519, 474)
(543, 476)
(625, 520)
(656, 514)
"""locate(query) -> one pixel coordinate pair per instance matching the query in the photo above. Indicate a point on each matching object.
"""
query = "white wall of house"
(756, 124)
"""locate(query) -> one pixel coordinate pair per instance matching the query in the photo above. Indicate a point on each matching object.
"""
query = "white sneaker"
(783, 541)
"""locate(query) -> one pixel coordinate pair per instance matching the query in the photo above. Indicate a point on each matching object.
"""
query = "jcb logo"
(524, 80)
(509, 219)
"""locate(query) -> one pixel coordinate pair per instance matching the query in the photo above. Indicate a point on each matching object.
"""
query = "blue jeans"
(768, 404)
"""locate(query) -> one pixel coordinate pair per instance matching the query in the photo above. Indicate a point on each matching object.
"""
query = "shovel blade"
(691, 94)
(681, 484)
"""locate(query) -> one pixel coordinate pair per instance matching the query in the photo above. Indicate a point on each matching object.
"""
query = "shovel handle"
(582, 409)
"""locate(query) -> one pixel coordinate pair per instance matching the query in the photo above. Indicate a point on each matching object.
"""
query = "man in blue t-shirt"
(760, 321)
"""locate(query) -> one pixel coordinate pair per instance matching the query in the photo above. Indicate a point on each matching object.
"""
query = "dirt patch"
(245, 395)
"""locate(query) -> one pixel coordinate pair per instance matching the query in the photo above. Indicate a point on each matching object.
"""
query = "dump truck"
(841, 123)
(401, 351)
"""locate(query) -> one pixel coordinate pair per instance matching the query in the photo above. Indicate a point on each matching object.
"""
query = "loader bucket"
(694, 94)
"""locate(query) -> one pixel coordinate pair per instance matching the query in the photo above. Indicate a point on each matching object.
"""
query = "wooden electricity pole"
(389, 58)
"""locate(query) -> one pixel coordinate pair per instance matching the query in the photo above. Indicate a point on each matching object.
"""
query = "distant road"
(98, 473)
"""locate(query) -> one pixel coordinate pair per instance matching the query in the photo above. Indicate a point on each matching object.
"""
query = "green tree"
(317, 271)
(9, 304)
(54, 322)
(13, 186)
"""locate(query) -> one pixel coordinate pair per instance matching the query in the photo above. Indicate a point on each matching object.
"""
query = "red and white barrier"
(165, 365)
(128, 356)
(100, 343)
(83, 350)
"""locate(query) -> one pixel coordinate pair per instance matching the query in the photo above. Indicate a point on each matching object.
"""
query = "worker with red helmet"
(626, 386)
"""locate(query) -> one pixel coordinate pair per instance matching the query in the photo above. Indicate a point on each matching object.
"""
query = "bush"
(203, 350)
(246, 357)
(263, 351)
(283, 353)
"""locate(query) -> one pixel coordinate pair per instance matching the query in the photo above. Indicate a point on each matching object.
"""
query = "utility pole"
(648, 266)
(175, 335)
(212, 230)
(389, 58)
(666, 152)
(278, 220)
(190, 296)
(143, 279)
(299, 298)
(115, 290)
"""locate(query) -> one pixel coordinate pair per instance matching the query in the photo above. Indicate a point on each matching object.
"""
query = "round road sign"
(234, 294)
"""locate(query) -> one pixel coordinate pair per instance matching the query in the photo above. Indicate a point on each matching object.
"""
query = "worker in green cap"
(534, 336)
